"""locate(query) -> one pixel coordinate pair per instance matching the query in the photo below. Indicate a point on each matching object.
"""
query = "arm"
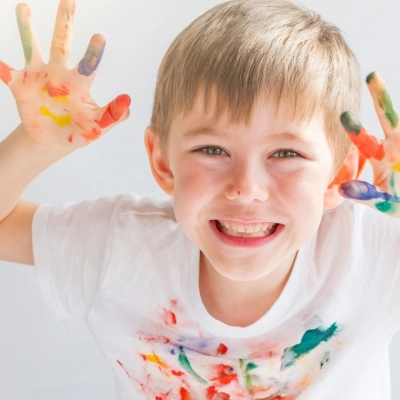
(58, 116)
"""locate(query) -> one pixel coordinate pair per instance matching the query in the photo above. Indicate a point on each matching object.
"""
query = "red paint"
(115, 110)
(222, 349)
(5, 73)
(224, 375)
(184, 394)
(170, 317)
(54, 91)
(239, 192)
(212, 392)
(127, 373)
(70, 138)
(177, 373)
(25, 76)
(369, 145)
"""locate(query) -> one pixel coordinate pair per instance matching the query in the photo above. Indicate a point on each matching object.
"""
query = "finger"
(384, 107)
(30, 43)
(5, 73)
(91, 60)
(115, 111)
(369, 145)
(60, 44)
(365, 193)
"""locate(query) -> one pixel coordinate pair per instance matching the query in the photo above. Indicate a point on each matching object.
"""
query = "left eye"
(285, 153)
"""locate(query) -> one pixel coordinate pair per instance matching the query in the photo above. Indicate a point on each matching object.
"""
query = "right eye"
(210, 151)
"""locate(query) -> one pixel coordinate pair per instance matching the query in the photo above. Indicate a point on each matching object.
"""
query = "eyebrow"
(207, 131)
(204, 131)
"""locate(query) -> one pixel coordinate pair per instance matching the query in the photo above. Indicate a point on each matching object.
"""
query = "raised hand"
(384, 155)
(54, 102)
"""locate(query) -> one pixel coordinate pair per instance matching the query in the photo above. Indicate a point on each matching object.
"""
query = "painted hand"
(384, 155)
(54, 102)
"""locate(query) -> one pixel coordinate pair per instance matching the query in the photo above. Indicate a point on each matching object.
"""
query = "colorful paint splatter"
(177, 366)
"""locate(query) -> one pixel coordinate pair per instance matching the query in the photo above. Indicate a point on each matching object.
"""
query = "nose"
(247, 182)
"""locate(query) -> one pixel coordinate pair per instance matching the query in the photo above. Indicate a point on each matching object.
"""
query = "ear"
(159, 165)
(352, 168)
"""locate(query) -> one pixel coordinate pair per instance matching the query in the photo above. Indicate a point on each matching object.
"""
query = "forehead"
(267, 113)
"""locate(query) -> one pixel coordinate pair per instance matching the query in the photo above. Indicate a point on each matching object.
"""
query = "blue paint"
(91, 60)
(360, 190)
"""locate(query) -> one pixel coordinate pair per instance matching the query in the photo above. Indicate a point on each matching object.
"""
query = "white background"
(42, 358)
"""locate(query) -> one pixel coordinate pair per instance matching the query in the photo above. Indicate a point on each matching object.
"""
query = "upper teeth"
(248, 228)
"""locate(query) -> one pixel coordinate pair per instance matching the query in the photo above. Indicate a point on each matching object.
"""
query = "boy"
(240, 287)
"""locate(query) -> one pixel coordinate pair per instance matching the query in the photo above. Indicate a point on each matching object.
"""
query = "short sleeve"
(380, 257)
(72, 244)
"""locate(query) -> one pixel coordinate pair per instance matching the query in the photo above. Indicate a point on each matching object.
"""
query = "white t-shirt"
(123, 265)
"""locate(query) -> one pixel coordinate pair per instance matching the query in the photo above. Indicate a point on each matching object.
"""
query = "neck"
(241, 303)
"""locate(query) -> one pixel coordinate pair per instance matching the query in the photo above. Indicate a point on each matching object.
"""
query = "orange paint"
(5, 73)
(114, 111)
(94, 134)
(54, 91)
(369, 145)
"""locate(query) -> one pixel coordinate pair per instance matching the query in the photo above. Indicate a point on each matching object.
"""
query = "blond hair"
(242, 49)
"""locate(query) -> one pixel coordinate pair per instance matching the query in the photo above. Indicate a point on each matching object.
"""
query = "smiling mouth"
(246, 231)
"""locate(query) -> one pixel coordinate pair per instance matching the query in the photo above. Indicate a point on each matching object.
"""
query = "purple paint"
(91, 60)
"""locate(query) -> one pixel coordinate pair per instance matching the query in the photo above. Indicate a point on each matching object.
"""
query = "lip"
(247, 242)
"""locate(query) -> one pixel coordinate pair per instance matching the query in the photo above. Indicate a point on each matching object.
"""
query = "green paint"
(310, 340)
(185, 363)
(350, 122)
(385, 103)
(393, 185)
(386, 207)
(246, 367)
(25, 32)
(370, 77)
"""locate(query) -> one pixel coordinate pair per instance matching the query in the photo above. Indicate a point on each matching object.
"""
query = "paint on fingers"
(369, 145)
(5, 73)
(114, 111)
(23, 16)
(93, 55)
(364, 191)
(378, 86)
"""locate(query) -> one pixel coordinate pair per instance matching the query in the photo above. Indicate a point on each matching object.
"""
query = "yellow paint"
(57, 99)
(396, 167)
(155, 359)
(62, 121)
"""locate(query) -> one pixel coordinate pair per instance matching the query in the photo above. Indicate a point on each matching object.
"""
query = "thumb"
(115, 111)
(5, 73)
(367, 194)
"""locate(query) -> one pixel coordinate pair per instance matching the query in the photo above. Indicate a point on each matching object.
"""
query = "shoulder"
(136, 205)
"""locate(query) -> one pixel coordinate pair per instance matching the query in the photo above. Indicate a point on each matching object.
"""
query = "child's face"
(271, 174)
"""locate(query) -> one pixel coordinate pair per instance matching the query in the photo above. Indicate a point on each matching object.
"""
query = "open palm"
(384, 155)
(54, 102)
